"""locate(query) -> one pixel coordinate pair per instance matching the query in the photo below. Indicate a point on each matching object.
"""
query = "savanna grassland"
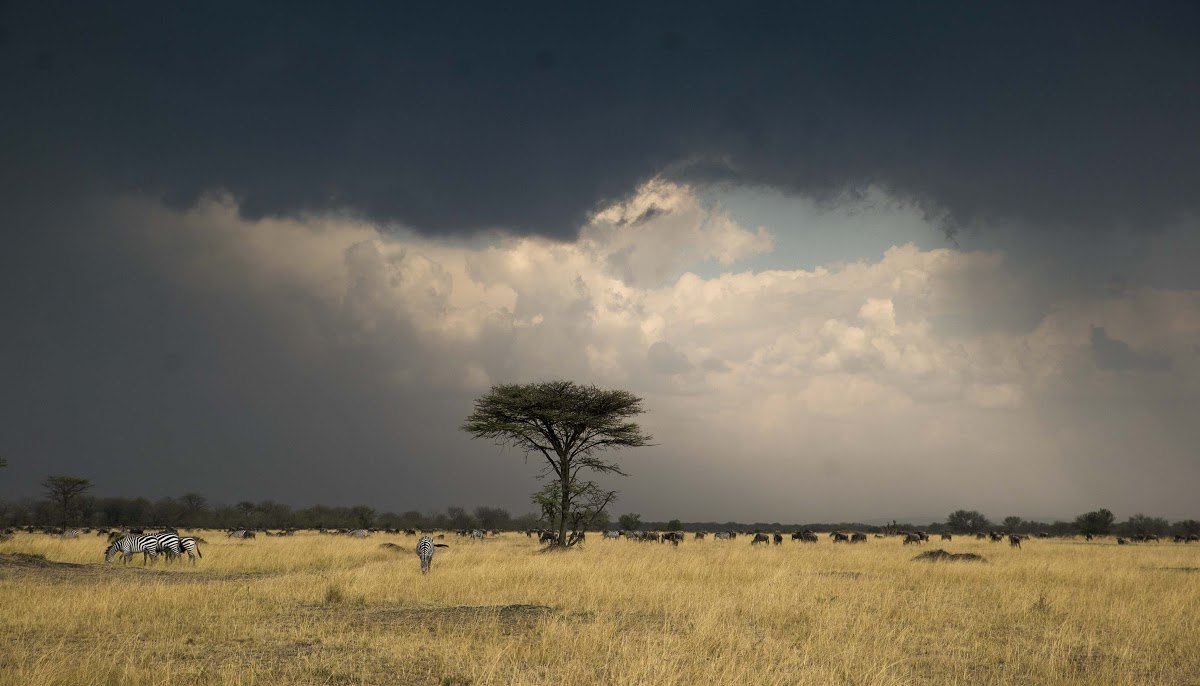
(316, 609)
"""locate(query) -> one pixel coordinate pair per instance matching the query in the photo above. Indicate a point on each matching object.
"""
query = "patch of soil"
(940, 555)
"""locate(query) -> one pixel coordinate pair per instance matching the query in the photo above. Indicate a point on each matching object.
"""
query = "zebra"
(192, 549)
(477, 534)
(425, 551)
(241, 533)
(612, 534)
(358, 533)
(168, 544)
(127, 546)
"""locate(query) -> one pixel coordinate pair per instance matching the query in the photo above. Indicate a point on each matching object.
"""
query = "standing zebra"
(425, 551)
(190, 546)
(168, 544)
(127, 546)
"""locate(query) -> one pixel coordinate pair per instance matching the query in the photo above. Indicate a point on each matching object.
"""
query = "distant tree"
(459, 518)
(492, 517)
(363, 516)
(967, 522)
(570, 426)
(1098, 522)
(65, 492)
(1141, 525)
(247, 509)
(630, 521)
(194, 506)
(674, 525)
(1186, 527)
(1012, 523)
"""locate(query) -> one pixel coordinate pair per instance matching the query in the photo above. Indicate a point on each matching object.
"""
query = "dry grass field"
(314, 609)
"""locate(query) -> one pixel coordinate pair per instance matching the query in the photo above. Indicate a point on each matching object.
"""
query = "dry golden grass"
(313, 609)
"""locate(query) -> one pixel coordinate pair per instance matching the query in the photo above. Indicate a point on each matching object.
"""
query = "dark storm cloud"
(1078, 115)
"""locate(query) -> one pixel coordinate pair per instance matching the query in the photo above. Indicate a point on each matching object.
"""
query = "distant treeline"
(192, 510)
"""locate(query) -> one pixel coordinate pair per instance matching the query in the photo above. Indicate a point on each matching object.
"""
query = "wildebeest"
(947, 537)
(1193, 538)
(858, 537)
(548, 537)
(1121, 541)
(760, 538)
(980, 536)
(1014, 540)
(839, 537)
(699, 536)
(912, 538)
(777, 539)
(1087, 537)
(996, 538)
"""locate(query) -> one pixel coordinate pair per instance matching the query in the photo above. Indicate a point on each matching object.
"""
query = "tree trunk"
(564, 502)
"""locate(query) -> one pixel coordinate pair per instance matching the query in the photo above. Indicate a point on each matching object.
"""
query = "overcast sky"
(862, 261)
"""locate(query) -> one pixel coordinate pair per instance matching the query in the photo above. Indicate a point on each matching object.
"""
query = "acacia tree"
(571, 426)
(65, 492)
(967, 522)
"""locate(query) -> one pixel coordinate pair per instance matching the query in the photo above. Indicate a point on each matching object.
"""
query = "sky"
(862, 261)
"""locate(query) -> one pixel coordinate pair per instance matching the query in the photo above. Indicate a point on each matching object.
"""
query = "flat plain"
(322, 609)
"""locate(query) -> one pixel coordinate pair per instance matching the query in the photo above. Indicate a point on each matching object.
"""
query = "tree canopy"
(570, 426)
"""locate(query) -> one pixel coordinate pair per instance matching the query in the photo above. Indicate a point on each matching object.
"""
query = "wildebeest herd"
(127, 542)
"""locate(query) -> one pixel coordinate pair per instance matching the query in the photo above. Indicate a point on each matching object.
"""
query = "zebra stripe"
(425, 548)
(168, 544)
(127, 546)
(192, 549)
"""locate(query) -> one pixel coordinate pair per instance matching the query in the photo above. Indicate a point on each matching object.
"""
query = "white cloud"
(843, 361)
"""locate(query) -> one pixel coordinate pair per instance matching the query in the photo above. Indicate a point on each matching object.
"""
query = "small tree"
(570, 426)
(967, 522)
(630, 521)
(194, 505)
(674, 525)
(1012, 523)
(363, 516)
(1097, 523)
(65, 492)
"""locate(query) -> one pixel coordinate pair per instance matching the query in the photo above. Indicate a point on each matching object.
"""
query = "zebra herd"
(168, 543)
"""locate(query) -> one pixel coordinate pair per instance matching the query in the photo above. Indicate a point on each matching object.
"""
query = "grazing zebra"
(425, 551)
(127, 546)
(168, 544)
(477, 534)
(71, 533)
(612, 534)
(241, 533)
(190, 547)
(358, 533)
(723, 536)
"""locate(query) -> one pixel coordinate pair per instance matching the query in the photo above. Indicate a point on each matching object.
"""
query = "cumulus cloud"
(785, 383)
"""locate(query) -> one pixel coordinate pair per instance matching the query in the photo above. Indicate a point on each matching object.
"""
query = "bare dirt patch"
(940, 555)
